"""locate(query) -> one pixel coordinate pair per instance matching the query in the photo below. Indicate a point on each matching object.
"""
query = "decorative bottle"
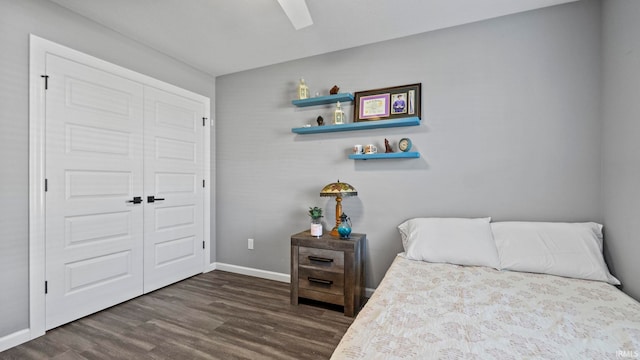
(303, 90)
(344, 229)
(338, 115)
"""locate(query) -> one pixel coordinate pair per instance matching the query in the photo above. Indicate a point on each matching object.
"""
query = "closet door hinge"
(202, 183)
(46, 185)
(46, 287)
(203, 244)
(46, 81)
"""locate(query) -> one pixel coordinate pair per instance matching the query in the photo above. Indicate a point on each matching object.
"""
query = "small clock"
(404, 144)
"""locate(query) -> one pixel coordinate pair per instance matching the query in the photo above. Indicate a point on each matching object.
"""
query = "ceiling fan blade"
(297, 12)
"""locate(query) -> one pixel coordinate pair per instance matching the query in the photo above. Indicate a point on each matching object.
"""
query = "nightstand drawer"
(320, 280)
(322, 259)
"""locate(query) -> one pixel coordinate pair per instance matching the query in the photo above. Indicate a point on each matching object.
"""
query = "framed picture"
(388, 103)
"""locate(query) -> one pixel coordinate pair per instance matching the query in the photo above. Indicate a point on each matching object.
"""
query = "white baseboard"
(210, 267)
(14, 339)
(368, 292)
(264, 274)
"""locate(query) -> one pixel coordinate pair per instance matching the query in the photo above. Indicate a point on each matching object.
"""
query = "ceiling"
(225, 36)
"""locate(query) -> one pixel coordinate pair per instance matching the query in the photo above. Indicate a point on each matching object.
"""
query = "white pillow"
(450, 240)
(564, 249)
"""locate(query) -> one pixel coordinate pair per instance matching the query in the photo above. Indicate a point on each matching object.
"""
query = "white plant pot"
(316, 229)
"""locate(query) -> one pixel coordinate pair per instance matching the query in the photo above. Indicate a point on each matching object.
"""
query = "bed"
(442, 310)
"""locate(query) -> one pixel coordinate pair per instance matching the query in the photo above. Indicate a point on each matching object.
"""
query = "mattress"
(426, 310)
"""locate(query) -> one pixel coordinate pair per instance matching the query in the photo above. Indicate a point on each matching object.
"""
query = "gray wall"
(18, 18)
(621, 138)
(510, 129)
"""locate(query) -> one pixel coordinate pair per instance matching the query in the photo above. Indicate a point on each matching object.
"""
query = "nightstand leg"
(294, 275)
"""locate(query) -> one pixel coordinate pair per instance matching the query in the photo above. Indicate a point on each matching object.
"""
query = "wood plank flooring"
(217, 315)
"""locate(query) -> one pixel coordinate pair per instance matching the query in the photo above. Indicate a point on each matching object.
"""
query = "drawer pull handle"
(320, 281)
(320, 259)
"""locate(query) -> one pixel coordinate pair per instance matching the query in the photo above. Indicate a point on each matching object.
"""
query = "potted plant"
(316, 226)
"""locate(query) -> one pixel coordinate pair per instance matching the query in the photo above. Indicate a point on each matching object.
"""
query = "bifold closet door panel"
(174, 202)
(94, 169)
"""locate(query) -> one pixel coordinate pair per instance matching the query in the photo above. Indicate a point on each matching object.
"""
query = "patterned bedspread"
(440, 311)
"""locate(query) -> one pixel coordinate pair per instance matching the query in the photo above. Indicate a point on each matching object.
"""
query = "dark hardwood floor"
(217, 315)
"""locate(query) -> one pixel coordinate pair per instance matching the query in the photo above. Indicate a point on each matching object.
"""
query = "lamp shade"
(338, 189)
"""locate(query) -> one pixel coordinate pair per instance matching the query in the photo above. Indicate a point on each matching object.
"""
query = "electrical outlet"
(250, 244)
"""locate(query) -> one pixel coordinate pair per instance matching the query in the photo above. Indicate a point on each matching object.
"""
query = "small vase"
(344, 229)
(316, 228)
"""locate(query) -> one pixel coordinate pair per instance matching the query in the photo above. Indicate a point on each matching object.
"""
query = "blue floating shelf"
(321, 100)
(396, 155)
(363, 125)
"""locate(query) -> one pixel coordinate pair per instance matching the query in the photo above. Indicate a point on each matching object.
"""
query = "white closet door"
(173, 172)
(94, 166)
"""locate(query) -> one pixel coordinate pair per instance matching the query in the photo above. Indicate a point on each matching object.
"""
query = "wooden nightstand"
(328, 269)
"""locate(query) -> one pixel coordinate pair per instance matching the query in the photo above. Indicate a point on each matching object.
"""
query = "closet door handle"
(152, 198)
(136, 200)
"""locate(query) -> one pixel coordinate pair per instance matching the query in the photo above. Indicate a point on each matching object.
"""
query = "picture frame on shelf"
(388, 103)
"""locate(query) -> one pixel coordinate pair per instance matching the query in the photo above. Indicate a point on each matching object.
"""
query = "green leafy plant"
(315, 212)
